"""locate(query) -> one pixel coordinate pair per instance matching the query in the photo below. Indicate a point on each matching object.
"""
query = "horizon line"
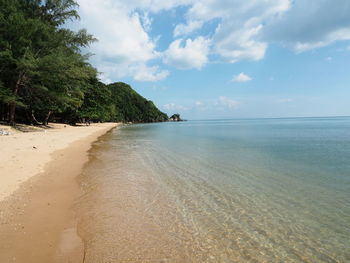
(255, 118)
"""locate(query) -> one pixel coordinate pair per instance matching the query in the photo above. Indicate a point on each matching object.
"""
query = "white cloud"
(121, 35)
(246, 11)
(227, 102)
(153, 74)
(124, 47)
(185, 29)
(241, 77)
(154, 5)
(105, 79)
(146, 21)
(174, 107)
(311, 24)
(238, 45)
(203, 106)
(341, 34)
(187, 54)
(244, 30)
(237, 36)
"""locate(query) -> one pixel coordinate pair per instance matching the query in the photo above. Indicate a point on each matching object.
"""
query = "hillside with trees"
(131, 107)
(44, 75)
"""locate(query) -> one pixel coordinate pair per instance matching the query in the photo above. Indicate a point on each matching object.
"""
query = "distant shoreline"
(37, 192)
(270, 118)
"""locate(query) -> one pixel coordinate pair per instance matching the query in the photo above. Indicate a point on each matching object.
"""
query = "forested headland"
(44, 75)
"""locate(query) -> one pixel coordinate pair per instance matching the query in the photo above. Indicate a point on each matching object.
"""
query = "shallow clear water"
(264, 190)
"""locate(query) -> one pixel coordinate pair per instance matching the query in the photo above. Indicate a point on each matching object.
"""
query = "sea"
(242, 190)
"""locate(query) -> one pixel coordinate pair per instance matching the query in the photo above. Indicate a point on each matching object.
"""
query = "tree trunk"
(34, 119)
(14, 93)
(46, 121)
(12, 113)
(2, 111)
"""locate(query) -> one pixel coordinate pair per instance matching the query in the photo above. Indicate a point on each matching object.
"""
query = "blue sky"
(210, 59)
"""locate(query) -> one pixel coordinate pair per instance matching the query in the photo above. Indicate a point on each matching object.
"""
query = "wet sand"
(37, 218)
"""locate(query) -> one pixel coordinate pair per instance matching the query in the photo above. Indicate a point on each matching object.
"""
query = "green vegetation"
(132, 107)
(175, 117)
(45, 76)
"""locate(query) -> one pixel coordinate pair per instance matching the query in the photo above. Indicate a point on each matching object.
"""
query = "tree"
(98, 104)
(41, 63)
(175, 117)
(131, 107)
(43, 72)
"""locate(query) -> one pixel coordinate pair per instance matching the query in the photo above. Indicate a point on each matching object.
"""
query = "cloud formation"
(237, 35)
(243, 31)
(247, 27)
(174, 107)
(152, 74)
(124, 47)
(185, 29)
(227, 102)
(187, 54)
(241, 77)
(311, 24)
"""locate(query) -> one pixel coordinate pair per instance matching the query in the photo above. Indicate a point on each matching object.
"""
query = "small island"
(175, 117)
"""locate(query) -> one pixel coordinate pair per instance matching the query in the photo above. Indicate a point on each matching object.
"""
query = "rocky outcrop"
(175, 117)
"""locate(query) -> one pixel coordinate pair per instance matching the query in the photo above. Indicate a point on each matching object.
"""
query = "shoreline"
(37, 217)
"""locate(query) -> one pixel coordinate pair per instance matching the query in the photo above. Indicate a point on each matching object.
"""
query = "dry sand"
(37, 192)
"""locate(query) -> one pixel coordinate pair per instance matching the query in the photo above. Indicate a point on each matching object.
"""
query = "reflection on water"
(219, 191)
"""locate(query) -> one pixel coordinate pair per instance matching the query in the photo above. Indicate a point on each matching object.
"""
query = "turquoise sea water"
(255, 190)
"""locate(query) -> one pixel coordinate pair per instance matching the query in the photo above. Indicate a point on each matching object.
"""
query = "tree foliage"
(43, 72)
(98, 104)
(175, 117)
(131, 107)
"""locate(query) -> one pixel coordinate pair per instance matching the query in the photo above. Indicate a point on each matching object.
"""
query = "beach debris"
(4, 132)
(34, 147)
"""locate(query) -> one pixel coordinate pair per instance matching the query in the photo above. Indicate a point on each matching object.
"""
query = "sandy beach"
(38, 188)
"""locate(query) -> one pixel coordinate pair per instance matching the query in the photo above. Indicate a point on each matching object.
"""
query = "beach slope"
(37, 192)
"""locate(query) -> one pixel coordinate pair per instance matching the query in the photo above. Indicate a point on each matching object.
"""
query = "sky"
(219, 59)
